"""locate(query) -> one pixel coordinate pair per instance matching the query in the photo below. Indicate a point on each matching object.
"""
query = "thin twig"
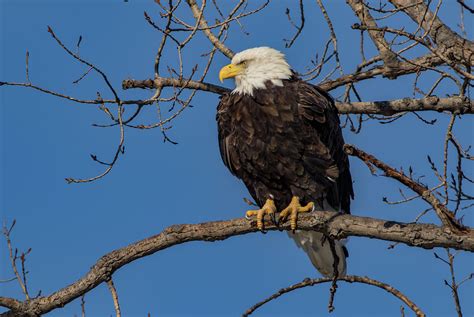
(298, 28)
(454, 286)
(74, 55)
(13, 257)
(83, 305)
(332, 34)
(27, 63)
(114, 294)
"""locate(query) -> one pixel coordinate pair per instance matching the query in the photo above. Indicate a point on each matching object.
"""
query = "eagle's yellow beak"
(229, 71)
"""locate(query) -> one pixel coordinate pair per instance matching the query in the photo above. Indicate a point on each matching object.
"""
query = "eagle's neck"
(256, 76)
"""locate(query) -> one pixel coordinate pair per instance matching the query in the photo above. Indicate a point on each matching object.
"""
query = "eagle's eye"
(242, 63)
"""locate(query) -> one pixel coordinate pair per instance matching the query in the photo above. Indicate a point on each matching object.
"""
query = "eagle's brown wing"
(318, 109)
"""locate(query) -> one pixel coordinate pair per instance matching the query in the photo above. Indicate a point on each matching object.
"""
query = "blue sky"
(156, 184)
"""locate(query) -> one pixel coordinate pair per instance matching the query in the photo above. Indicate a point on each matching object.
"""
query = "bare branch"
(83, 306)
(173, 82)
(114, 294)
(465, 6)
(445, 215)
(442, 54)
(388, 56)
(50, 92)
(298, 28)
(452, 104)
(75, 56)
(454, 286)
(332, 33)
(10, 303)
(446, 39)
(205, 28)
(13, 255)
(27, 64)
(118, 151)
(388, 108)
(348, 279)
(461, 105)
(336, 226)
(403, 68)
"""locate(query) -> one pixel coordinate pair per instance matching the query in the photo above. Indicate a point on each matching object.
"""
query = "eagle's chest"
(253, 118)
(262, 137)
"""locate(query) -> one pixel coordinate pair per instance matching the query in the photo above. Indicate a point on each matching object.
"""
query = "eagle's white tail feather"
(319, 251)
(318, 248)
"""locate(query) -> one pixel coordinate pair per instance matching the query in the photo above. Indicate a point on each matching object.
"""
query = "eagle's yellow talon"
(251, 213)
(267, 209)
(292, 211)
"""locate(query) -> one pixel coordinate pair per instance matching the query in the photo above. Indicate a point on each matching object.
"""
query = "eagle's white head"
(255, 66)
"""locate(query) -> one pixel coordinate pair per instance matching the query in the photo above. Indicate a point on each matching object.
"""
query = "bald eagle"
(281, 136)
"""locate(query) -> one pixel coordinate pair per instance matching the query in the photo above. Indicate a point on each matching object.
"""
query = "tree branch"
(446, 216)
(451, 42)
(337, 226)
(205, 28)
(349, 279)
(403, 68)
(10, 303)
(388, 56)
(113, 292)
(387, 108)
(161, 82)
(452, 104)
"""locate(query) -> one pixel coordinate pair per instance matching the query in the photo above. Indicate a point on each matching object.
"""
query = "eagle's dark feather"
(286, 141)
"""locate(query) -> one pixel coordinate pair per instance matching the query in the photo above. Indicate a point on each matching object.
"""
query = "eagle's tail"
(318, 249)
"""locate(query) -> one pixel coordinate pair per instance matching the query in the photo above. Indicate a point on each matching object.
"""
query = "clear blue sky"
(154, 185)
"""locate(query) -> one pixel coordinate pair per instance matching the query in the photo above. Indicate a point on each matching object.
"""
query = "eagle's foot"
(267, 209)
(292, 211)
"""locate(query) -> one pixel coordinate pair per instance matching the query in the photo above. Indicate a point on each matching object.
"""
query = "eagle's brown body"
(286, 141)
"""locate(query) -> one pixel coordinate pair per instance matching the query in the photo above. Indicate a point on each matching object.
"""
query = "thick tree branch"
(161, 82)
(10, 303)
(455, 104)
(452, 104)
(335, 225)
